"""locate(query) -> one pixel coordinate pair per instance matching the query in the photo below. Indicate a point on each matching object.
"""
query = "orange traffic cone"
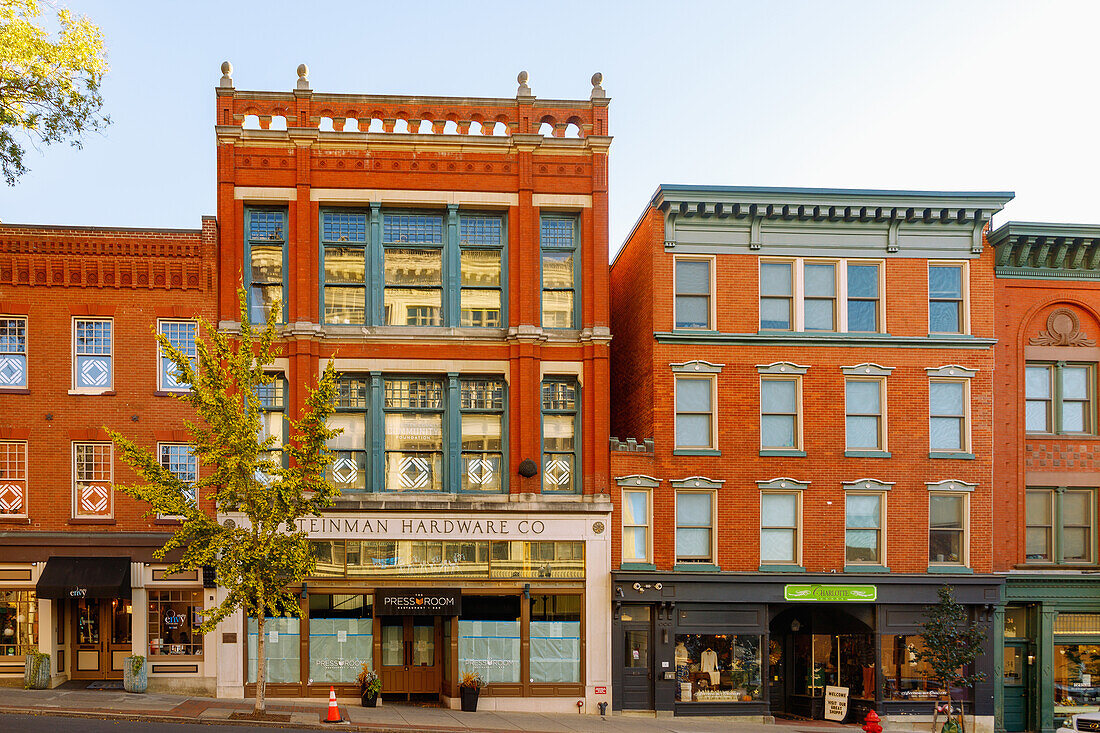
(333, 709)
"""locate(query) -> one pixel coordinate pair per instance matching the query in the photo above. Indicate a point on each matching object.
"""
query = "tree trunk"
(261, 666)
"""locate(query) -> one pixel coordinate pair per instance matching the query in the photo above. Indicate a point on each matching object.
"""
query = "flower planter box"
(135, 678)
(36, 672)
(469, 698)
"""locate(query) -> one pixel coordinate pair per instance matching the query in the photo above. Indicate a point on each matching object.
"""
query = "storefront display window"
(341, 637)
(906, 677)
(1076, 678)
(537, 560)
(717, 668)
(174, 616)
(18, 622)
(281, 648)
(555, 638)
(489, 638)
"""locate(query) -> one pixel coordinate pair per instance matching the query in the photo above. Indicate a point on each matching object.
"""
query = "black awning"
(85, 577)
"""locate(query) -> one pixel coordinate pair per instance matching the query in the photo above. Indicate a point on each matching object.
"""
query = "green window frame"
(560, 435)
(344, 268)
(482, 272)
(415, 442)
(351, 448)
(1060, 526)
(266, 261)
(272, 397)
(559, 240)
(413, 268)
(482, 426)
(1060, 398)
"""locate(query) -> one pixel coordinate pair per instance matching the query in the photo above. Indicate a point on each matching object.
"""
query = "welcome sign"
(830, 593)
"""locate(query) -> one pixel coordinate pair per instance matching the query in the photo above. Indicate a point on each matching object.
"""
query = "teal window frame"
(500, 411)
(445, 265)
(1056, 400)
(551, 411)
(575, 289)
(273, 399)
(426, 408)
(327, 242)
(454, 285)
(249, 243)
(353, 397)
(1055, 497)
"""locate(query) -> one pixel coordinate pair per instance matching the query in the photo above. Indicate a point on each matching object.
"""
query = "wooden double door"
(411, 663)
(101, 636)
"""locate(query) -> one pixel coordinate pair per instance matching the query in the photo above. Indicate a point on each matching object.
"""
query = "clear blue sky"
(941, 95)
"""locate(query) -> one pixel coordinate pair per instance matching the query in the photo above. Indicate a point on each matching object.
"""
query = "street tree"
(49, 88)
(247, 472)
(952, 643)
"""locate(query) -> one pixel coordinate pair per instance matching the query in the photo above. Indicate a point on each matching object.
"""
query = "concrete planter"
(135, 678)
(36, 671)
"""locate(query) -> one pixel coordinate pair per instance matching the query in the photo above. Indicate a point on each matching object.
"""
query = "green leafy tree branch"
(266, 485)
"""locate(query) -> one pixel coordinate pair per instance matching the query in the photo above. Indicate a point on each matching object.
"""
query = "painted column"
(452, 471)
(374, 267)
(452, 270)
(1046, 667)
(998, 634)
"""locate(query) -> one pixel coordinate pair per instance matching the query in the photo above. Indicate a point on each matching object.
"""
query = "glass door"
(637, 659)
(410, 659)
(88, 640)
(119, 643)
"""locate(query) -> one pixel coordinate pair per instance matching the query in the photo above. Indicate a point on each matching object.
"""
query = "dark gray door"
(637, 662)
(1015, 687)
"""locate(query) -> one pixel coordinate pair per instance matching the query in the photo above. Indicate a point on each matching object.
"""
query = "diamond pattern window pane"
(13, 370)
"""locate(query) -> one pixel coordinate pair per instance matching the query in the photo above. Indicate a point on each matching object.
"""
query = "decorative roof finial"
(227, 78)
(524, 90)
(303, 77)
(597, 90)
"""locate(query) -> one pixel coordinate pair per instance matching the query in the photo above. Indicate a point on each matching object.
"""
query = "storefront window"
(555, 638)
(174, 616)
(489, 637)
(18, 622)
(341, 637)
(428, 558)
(537, 560)
(906, 677)
(281, 649)
(717, 668)
(1076, 678)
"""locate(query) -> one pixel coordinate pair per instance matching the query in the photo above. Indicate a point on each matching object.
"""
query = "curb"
(145, 717)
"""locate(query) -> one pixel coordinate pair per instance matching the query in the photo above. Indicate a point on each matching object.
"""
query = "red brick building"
(78, 309)
(450, 255)
(1046, 473)
(814, 369)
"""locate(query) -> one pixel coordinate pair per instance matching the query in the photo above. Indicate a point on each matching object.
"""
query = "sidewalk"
(391, 717)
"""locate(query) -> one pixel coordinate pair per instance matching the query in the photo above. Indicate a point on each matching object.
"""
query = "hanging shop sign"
(408, 602)
(830, 593)
(836, 703)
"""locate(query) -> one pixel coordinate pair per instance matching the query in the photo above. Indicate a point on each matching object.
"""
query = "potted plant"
(469, 688)
(36, 671)
(134, 676)
(370, 686)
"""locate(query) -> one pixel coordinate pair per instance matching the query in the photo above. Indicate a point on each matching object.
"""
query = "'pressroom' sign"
(407, 602)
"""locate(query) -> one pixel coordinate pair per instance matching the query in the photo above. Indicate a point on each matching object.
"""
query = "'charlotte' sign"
(830, 593)
(407, 602)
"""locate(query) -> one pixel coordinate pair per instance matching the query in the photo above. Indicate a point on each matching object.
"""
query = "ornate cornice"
(1038, 249)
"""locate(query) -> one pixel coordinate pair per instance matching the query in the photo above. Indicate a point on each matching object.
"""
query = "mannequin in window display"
(708, 663)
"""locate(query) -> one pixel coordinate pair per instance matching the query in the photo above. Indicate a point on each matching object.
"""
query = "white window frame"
(712, 559)
(162, 443)
(26, 359)
(881, 562)
(883, 443)
(797, 379)
(111, 357)
(965, 382)
(648, 525)
(76, 513)
(965, 559)
(964, 316)
(161, 386)
(712, 379)
(5, 483)
(798, 292)
(712, 309)
(797, 528)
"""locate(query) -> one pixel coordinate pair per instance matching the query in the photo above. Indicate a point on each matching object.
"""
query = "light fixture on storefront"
(795, 626)
(305, 590)
(1031, 659)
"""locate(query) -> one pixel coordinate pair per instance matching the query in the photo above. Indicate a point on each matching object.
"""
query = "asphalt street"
(61, 724)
